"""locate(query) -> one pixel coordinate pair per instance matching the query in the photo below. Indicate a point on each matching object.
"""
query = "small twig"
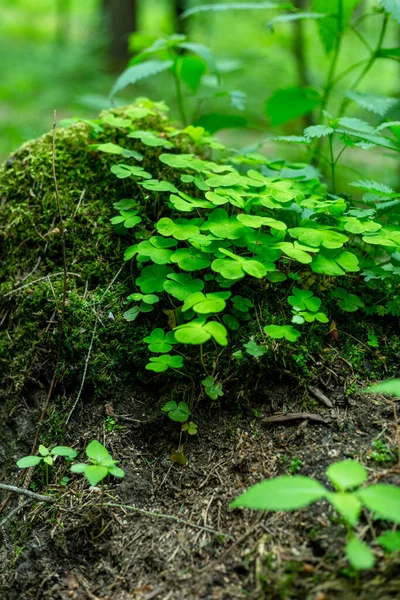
(37, 281)
(169, 517)
(13, 512)
(90, 349)
(79, 203)
(316, 392)
(33, 270)
(25, 492)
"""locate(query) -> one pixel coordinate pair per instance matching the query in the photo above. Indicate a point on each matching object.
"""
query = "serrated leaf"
(281, 493)
(379, 105)
(140, 71)
(317, 131)
(331, 27)
(228, 6)
(357, 125)
(290, 103)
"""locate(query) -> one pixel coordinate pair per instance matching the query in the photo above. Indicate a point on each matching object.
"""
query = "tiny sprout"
(101, 464)
(46, 457)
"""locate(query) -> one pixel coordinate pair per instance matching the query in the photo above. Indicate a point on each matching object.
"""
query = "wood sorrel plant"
(289, 493)
(219, 225)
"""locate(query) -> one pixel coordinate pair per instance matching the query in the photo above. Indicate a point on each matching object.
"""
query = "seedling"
(46, 457)
(101, 464)
(288, 493)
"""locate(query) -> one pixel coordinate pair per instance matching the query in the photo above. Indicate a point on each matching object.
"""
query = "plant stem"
(368, 66)
(179, 98)
(332, 163)
(202, 359)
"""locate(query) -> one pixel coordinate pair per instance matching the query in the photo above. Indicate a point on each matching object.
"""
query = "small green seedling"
(288, 493)
(177, 412)
(212, 388)
(46, 457)
(190, 427)
(101, 464)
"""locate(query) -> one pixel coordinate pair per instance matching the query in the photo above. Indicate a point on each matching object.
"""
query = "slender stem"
(347, 71)
(332, 163)
(46, 468)
(202, 359)
(179, 98)
(368, 66)
(361, 38)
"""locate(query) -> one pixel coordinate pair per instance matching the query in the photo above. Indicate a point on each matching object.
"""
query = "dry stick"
(169, 517)
(37, 281)
(13, 512)
(24, 492)
(90, 349)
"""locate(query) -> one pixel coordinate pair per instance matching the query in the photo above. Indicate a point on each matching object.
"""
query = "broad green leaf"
(123, 171)
(346, 474)
(241, 303)
(294, 252)
(200, 331)
(304, 300)
(43, 451)
(354, 225)
(181, 285)
(212, 388)
(279, 332)
(357, 125)
(318, 237)
(347, 302)
(190, 70)
(140, 71)
(28, 461)
(205, 53)
(379, 105)
(158, 186)
(111, 148)
(256, 221)
(382, 499)
(95, 473)
(177, 412)
(185, 203)
(331, 263)
(359, 555)
(159, 341)
(117, 472)
(290, 103)
(132, 314)
(152, 278)
(159, 364)
(125, 204)
(79, 467)
(157, 249)
(391, 387)
(190, 259)
(64, 451)
(254, 349)
(390, 540)
(97, 452)
(281, 493)
(150, 138)
(204, 304)
(347, 505)
(180, 229)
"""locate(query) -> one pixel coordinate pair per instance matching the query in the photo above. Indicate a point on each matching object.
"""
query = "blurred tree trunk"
(121, 21)
(63, 22)
(299, 53)
(179, 8)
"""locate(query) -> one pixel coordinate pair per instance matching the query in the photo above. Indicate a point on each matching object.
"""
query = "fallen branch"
(169, 517)
(17, 490)
(294, 416)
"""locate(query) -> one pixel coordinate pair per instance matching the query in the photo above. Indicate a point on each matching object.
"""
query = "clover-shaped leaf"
(152, 278)
(191, 259)
(212, 388)
(319, 237)
(158, 186)
(159, 341)
(279, 332)
(132, 313)
(200, 331)
(354, 225)
(223, 226)
(335, 263)
(254, 349)
(181, 285)
(150, 139)
(304, 300)
(228, 180)
(180, 229)
(295, 252)
(185, 203)
(230, 270)
(241, 303)
(347, 302)
(204, 304)
(190, 428)
(159, 364)
(156, 249)
(177, 412)
(256, 222)
(123, 171)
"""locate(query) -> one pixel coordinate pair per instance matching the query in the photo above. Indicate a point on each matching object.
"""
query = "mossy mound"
(31, 279)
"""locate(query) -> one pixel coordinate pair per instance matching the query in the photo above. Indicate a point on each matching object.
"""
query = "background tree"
(121, 20)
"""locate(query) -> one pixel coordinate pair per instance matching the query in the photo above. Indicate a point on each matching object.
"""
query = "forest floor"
(192, 546)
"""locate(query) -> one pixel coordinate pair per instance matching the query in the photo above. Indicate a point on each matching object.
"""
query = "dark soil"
(203, 550)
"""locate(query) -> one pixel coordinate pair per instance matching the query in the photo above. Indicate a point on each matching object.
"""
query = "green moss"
(31, 249)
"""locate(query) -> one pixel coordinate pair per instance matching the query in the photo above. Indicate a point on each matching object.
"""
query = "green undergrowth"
(234, 269)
